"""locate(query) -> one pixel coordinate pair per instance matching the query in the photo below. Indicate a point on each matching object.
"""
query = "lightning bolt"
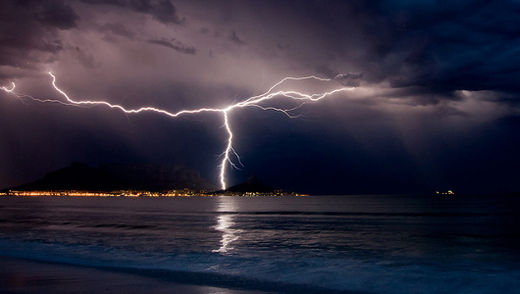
(18, 95)
(229, 153)
(7, 90)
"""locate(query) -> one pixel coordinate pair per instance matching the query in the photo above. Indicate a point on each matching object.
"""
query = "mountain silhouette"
(79, 176)
(253, 184)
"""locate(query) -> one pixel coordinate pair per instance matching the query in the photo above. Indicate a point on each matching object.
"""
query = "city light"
(141, 193)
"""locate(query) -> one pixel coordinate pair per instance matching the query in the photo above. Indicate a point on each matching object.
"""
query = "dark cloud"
(469, 44)
(57, 14)
(466, 45)
(117, 29)
(84, 58)
(233, 37)
(28, 31)
(349, 79)
(346, 79)
(162, 10)
(175, 45)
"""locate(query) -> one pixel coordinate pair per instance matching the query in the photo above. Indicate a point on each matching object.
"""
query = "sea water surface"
(366, 243)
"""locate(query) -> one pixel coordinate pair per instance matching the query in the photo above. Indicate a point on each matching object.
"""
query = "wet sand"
(25, 276)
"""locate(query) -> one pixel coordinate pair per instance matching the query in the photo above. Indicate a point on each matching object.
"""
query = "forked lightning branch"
(229, 156)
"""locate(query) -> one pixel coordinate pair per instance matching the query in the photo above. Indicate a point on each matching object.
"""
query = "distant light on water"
(225, 224)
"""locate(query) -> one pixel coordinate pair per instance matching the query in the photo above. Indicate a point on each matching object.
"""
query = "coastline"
(19, 275)
(23, 275)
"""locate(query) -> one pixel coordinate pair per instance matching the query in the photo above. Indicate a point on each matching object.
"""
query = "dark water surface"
(375, 244)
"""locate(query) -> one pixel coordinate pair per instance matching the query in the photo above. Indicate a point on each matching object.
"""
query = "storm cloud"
(175, 45)
(29, 31)
(436, 103)
(162, 10)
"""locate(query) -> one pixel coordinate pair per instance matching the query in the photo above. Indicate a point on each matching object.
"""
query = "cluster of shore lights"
(100, 194)
(448, 193)
(130, 193)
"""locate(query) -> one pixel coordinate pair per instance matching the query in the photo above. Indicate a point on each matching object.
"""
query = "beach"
(25, 276)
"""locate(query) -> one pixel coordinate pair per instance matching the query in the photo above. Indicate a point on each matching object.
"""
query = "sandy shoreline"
(26, 276)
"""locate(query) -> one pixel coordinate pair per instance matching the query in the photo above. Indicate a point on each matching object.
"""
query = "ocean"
(315, 244)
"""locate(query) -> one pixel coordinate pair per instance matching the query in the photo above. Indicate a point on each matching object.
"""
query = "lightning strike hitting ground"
(254, 101)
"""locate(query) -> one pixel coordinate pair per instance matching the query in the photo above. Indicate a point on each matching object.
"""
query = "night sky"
(437, 104)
